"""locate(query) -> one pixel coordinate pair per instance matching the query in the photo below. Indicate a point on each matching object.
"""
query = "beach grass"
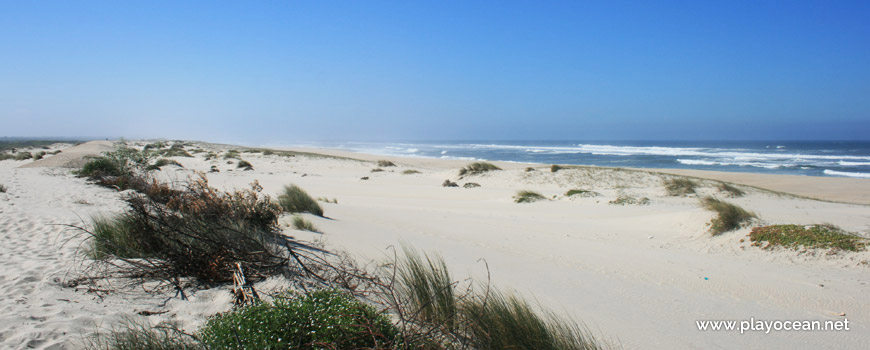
(554, 168)
(161, 163)
(300, 223)
(575, 191)
(477, 168)
(385, 163)
(808, 237)
(679, 186)
(731, 190)
(424, 280)
(410, 172)
(528, 197)
(132, 335)
(728, 216)
(244, 164)
(624, 199)
(377, 170)
(295, 200)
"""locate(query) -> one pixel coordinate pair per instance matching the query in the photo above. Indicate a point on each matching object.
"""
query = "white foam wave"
(846, 173)
(843, 163)
(752, 164)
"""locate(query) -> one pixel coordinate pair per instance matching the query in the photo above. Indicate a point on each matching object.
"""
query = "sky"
(260, 72)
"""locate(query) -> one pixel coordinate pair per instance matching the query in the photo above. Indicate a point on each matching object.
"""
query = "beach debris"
(841, 314)
(471, 185)
(214, 169)
(448, 183)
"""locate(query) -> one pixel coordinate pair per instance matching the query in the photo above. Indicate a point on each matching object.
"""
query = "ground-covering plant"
(244, 164)
(575, 191)
(477, 168)
(678, 186)
(377, 170)
(23, 156)
(385, 163)
(410, 172)
(232, 154)
(38, 155)
(554, 168)
(528, 197)
(324, 319)
(120, 168)
(295, 200)
(731, 190)
(2, 188)
(176, 150)
(728, 216)
(808, 237)
(624, 199)
(300, 223)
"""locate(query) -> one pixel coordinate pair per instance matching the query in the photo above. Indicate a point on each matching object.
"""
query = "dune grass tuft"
(385, 163)
(410, 172)
(2, 188)
(731, 190)
(575, 192)
(377, 170)
(244, 164)
(300, 223)
(477, 168)
(554, 168)
(729, 216)
(808, 237)
(23, 156)
(133, 335)
(161, 163)
(624, 199)
(528, 197)
(295, 200)
(425, 282)
(678, 186)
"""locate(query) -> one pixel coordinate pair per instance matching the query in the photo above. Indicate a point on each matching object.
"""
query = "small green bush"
(38, 155)
(23, 156)
(624, 199)
(100, 167)
(232, 154)
(385, 163)
(377, 170)
(268, 152)
(245, 164)
(729, 216)
(410, 172)
(731, 190)
(575, 192)
(680, 186)
(554, 168)
(295, 200)
(809, 237)
(300, 223)
(477, 168)
(528, 197)
(161, 163)
(324, 319)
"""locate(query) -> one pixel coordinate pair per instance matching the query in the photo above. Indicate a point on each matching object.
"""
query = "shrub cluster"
(528, 197)
(410, 172)
(477, 168)
(300, 223)
(385, 163)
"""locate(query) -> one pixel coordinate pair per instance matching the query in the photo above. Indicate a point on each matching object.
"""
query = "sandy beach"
(638, 275)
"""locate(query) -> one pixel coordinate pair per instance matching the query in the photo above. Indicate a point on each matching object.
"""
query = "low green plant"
(554, 168)
(809, 237)
(425, 282)
(232, 154)
(38, 155)
(268, 152)
(575, 192)
(23, 156)
(729, 216)
(477, 168)
(528, 197)
(300, 223)
(624, 199)
(176, 150)
(133, 335)
(377, 170)
(327, 200)
(385, 163)
(410, 172)
(245, 165)
(295, 200)
(161, 163)
(325, 319)
(731, 190)
(679, 186)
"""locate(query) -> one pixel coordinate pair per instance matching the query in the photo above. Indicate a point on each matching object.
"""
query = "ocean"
(811, 158)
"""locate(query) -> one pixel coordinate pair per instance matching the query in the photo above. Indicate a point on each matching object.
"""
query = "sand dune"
(638, 274)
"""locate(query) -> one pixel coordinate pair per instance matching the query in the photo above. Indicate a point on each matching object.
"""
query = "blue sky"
(273, 72)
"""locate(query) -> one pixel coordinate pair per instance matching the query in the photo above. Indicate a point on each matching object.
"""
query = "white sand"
(640, 275)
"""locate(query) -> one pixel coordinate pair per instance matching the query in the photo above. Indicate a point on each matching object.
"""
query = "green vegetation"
(23, 156)
(377, 170)
(244, 164)
(385, 163)
(300, 223)
(678, 186)
(624, 199)
(731, 190)
(295, 200)
(10, 144)
(530, 169)
(729, 216)
(137, 336)
(808, 237)
(232, 154)
(324, 319)
(528, 197)
(327, 200)
(118, 169)
(575, 192)
(410, 172)
(161, 163)
(477, 168)
(554, 168)
(425, 283)
(38, 155)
